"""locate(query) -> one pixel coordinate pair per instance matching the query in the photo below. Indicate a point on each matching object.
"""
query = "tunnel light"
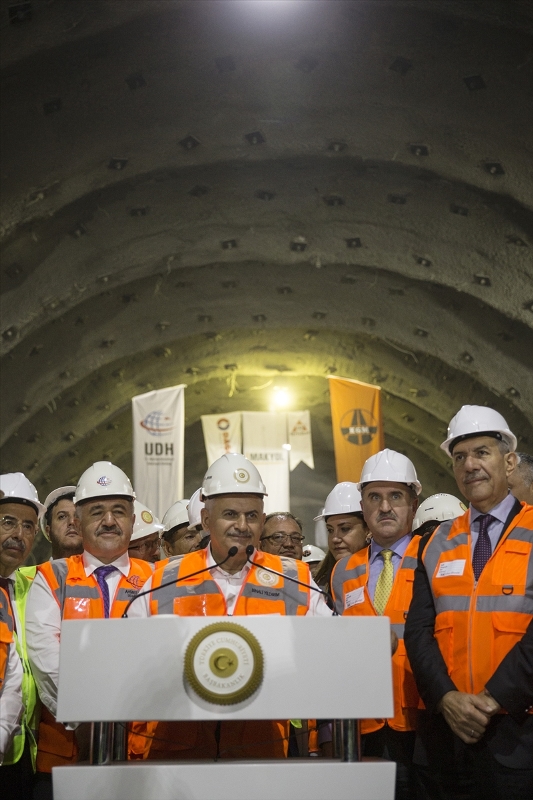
(287, 446)
(281, 397)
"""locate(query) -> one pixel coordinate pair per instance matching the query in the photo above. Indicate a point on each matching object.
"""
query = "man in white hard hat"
(59, 523)
(469, 632)
(178, 535)
(377, 580)
(233, 494)
(436, 509)
(282, 535)
(19, 515)
(146, 537)
(99, 583)
(521, 479)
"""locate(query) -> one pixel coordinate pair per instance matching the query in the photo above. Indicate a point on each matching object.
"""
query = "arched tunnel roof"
(226, 194)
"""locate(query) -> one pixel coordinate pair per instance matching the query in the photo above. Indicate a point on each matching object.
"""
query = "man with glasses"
(96, 584)
(145, 542)
(19, 514)
(282, 535)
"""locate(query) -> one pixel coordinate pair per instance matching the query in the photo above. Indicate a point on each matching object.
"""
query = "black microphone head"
(249, 550)
(233, 551)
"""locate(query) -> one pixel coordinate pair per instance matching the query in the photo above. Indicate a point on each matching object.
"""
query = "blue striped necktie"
(100, 574)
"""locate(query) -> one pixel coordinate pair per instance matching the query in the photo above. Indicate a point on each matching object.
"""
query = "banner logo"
(299, 429)
(223, 424)
(157, 423)
(358, 426)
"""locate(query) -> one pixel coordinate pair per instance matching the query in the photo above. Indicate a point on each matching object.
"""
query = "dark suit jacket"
(509, 737)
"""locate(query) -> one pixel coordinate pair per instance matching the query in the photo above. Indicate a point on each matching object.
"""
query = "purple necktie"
(101, 573)
(483, 548)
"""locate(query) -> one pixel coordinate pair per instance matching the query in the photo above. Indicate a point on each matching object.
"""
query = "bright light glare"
(287, 446)
(281, 398)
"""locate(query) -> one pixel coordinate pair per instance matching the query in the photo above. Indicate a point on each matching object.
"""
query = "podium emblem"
(224, 663)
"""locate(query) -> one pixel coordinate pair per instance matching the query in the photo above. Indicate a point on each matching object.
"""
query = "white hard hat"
(103, 479)
(15, 486)
(194, 509)
(145, 522)
(438, 508)
(344, 498)
(388, 465)
(176, 515)
(475, 421)
(232, 473)
(52, 498)
(312, 553)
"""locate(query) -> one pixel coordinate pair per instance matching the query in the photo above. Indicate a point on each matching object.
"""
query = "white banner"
(264, 434)
(299, 428)
(222, 434)
(158, 437)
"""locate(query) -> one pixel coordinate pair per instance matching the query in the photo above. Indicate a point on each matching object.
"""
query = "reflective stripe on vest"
(478, 623)
(6, 635)
(290, 598)
(71, 586)
(30, 719)
(350, 575)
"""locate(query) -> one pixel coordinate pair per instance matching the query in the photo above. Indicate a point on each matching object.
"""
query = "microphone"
(249, 551)
(231, 553)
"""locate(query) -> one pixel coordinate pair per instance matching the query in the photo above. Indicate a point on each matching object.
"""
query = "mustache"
(387, 515)
(474, 476)
(115, 529)
(13, 544)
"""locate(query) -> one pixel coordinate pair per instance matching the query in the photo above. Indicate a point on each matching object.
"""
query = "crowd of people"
(455, 580)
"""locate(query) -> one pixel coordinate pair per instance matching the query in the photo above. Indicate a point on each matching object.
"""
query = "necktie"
(5, 584)
(100, 574)
(483, 548)
(385, 581)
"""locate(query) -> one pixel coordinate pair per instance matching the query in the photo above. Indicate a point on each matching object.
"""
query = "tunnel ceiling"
(236, 195)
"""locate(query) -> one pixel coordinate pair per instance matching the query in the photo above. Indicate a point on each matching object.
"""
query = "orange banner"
(357, 425)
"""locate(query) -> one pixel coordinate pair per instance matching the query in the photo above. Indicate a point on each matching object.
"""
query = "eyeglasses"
(281, 538)
(152, 544)
(11, 524)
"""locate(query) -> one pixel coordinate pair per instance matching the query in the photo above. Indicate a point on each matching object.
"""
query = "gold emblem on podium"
(224, 663)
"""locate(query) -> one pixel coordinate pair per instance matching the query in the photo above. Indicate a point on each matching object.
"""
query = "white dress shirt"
(231, 585)
(43, 624)
(11, 707)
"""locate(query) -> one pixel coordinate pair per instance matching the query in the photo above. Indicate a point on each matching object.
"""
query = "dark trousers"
(16, 780)
(42, 787)
(395, 746)
(449, 769)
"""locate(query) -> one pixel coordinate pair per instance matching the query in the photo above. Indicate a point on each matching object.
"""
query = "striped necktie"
(101, 574)
(385, 581)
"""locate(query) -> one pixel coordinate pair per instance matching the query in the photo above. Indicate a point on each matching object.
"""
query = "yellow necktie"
(384, 584)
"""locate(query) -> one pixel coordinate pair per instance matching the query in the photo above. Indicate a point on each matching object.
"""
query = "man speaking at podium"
(235, 579)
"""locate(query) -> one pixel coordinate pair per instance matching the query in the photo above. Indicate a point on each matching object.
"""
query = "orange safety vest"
(477, 624)
(6, 635)
(349, 588)
(261, 593)
(79, 597)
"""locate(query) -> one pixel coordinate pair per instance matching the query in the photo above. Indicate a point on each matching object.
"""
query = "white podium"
(134, 669)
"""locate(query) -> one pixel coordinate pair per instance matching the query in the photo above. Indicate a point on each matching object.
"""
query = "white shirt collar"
(90, 563)
(221, 571)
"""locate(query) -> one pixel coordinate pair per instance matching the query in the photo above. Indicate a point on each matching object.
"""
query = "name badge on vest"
(449, 568)
(354, 597)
